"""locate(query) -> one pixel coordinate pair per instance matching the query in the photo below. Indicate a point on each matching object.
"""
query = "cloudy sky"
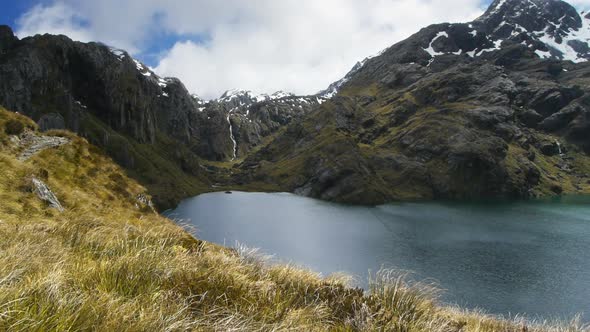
(299, 46)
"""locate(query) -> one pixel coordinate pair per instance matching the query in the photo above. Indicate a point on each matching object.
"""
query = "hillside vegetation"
(108, 262)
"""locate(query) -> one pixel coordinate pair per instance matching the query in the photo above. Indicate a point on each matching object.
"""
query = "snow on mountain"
(252, 97)
(120, 54)
(550, 28)
(334, 88)
(430, 49)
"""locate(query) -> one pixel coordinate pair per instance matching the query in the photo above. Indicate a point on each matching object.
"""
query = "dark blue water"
(529, 258)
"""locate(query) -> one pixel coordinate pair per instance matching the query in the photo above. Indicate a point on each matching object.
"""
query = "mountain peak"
(533, 15)
(7, 38)
(6, 30)
(549, 29)
(552, 28)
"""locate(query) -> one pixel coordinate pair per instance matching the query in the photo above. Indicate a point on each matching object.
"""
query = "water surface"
(528, 258)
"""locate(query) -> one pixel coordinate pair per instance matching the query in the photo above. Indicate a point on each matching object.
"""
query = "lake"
(530, 258)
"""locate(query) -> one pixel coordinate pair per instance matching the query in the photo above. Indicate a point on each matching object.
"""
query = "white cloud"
(55, 19)
(262, 45)
(300, 45)
(580, 4)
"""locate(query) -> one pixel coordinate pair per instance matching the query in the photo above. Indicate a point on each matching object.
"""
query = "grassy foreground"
(110, 263)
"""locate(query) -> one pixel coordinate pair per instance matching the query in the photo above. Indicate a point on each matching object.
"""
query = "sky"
(298, 46)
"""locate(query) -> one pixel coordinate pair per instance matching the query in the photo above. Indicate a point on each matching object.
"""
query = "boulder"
(488, 117)
(51, 121)
(530, 118)
(46, 195)
(550, 101)
(550, 148)
(562, 118)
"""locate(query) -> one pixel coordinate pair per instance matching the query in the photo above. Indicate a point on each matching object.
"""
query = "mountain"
(498, 107)
(552, 29)
(253, 118)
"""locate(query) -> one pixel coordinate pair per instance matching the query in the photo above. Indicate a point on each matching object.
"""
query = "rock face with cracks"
(46, 195)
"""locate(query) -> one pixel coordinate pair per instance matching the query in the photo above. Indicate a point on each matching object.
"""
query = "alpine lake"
(529, 258)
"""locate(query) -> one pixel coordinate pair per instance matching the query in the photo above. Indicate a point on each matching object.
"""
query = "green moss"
(369, 90)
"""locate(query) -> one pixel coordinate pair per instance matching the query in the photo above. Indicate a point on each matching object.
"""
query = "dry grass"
(111, 264)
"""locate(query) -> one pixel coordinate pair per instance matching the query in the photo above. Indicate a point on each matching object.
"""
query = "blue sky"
(12, 10)
(299, 46)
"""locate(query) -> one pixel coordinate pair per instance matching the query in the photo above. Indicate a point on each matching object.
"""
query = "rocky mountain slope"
(499, 107)
(251, 118)
(150, 125)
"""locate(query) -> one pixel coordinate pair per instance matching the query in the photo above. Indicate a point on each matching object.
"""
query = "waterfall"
(559, 147)
(231, 136)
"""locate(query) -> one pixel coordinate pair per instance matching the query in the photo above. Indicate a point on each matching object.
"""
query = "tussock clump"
(14, 127)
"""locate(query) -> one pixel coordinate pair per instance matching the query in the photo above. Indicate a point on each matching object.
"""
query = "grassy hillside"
(110, 263)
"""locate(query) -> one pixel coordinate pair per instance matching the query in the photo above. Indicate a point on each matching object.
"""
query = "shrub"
(14, 127)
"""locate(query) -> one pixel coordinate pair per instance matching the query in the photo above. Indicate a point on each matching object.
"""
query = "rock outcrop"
(46, 195)
(33, 144)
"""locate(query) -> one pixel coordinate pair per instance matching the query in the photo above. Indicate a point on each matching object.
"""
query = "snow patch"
(237, 93)
(543, 55)
(139, 66)
(162, 82)
(497, 46)
(430, 49)
(498, 7)
(333, 89)
(120, 54)
(568, 53)
(80, 104)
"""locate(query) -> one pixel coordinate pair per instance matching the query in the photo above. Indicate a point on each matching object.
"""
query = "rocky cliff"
(252, 118)
(111, 99)
(56, 81)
